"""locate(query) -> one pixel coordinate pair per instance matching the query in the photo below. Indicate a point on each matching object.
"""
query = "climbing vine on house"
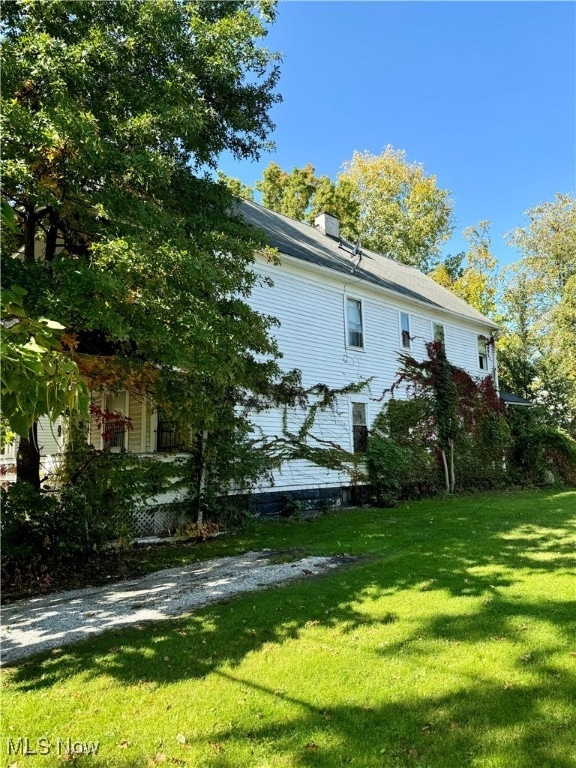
(451, 433)
(233, 454)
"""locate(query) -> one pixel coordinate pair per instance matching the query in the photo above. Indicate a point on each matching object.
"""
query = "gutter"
(387, 291)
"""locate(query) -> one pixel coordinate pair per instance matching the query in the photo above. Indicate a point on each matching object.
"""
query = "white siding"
(138, 425)
(50, 436)
(311, 308)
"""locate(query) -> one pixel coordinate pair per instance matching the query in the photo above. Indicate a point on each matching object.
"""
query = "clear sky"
(483, 94)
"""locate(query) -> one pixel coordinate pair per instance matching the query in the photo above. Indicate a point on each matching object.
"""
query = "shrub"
(30, 531)
(388, 467)
(46, 536)
(401, 458)
(538, 448)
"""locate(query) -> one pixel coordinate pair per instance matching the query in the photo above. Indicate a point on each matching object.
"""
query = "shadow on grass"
(479, 554)
(464, 728)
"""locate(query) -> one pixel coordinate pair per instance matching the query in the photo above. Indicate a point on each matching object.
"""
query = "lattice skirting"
(155, 521)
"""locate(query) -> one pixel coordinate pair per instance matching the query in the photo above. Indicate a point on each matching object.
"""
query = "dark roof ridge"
(304, 242)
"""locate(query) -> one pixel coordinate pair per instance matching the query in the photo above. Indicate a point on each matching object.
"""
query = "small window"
(355, 328)
(359, 427)
(482, 354)
(7, 451)
(439, 333)
(405, 328)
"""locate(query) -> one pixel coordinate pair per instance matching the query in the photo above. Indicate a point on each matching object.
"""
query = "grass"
(451, 642)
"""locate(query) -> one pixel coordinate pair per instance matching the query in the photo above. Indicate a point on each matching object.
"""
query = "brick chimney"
(328, 225)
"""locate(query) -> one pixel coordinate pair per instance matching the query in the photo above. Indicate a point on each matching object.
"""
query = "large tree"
(384, 201)
(541, 331)
(472, 274)
(111, 111)
(402, 212)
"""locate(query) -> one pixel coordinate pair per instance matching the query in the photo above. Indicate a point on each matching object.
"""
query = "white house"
(345, 313)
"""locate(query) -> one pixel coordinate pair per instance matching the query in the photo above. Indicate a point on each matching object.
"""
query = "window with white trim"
(355, 323)
(438, 330)
(405, 329)
(482, 353)
(359, 428)
(8, 451)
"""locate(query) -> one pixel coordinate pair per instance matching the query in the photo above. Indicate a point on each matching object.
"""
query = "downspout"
(494, 337)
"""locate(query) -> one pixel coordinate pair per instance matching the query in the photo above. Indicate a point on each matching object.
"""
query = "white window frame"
(358, 400)
(482, 353)
(435, 325)
(406, 315)
(8, 451)
(360, 302)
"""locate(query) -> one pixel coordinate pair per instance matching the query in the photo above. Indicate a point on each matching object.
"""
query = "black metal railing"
(114, 436)
(167, 436)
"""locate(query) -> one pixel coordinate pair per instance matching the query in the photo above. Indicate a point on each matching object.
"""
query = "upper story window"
(482, 353)
(359, 427)
(354, 322)
(405, 329)
(438, 330)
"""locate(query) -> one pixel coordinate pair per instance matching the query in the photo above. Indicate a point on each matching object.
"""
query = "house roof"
(306, 243)
(509, 398)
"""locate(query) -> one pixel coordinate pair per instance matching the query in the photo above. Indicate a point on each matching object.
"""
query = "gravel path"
(40, 623)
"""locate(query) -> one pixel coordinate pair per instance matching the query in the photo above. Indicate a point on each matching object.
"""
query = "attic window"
(355, 325)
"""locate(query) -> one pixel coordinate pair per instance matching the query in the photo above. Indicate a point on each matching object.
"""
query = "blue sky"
(483, 94)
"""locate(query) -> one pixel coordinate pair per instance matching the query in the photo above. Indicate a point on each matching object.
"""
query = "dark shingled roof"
(306, 243)
(511, 399)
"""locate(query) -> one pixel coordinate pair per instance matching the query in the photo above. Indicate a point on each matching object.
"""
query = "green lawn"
(451, 642)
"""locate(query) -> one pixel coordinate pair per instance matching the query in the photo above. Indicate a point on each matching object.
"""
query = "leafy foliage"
(402, 212)
(53, 533)
(539, 344)
(111, 112)
(471, 275)
(37, 378)
(450, 425)
(538, 449)
(383, 200)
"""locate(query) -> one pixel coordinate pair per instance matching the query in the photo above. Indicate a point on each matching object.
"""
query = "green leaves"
(36, 378)
(383, 200)
(403, 213)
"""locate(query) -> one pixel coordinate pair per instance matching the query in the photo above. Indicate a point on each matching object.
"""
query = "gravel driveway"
(51, 621)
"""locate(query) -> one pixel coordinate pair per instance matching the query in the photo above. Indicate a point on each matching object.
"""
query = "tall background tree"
(403, 213)
(386, 202)
(472, 274)
(111, 111)
(539, 345)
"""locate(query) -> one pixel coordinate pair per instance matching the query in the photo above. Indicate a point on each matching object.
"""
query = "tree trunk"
(446, 473)
(202, 477)
(452, 475)
(28, 459)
